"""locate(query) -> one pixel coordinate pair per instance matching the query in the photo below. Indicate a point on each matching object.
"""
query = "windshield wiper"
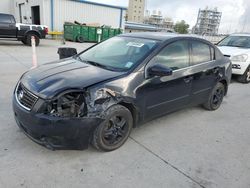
(98, 64)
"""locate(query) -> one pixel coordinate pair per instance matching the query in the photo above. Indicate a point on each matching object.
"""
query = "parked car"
(99, 95)
(9, 29)
(237, 48)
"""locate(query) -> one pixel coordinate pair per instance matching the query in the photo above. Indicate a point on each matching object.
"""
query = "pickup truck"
(9, 29)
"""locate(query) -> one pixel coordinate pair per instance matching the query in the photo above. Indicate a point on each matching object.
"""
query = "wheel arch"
(224, 82)
(33, 32)
(133, 111)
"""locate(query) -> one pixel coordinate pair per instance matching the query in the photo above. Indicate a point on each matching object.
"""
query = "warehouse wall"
(6, 6)
(26, 10)
(65, 10)
(69, 11)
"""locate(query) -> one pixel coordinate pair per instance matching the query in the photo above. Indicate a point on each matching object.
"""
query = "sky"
(235, 13)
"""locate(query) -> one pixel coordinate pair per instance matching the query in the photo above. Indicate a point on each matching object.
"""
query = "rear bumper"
(55, 132)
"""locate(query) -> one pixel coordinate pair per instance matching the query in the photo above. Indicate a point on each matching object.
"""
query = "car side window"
(174, 55)
(5, 19)
(201, 52)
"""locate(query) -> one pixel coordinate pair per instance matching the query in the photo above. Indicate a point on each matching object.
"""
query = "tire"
(80, 39)
(29, 37)
(24, 41)
(245, 78)
(115, 130)
(215, 98)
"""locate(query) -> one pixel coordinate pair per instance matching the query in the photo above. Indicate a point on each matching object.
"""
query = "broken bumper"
(55, 132)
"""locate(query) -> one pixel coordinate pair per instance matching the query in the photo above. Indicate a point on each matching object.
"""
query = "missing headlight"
(68, 105)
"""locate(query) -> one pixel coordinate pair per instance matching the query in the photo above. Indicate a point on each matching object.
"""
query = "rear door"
(205, 70)
(7, 26)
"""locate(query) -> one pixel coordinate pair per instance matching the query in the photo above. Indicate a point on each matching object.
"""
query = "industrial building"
(136, 10)
(208, 22)
(156, 19)
(54, 13)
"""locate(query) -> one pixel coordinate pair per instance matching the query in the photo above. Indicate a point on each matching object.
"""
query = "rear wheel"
(115, 130)
(216, 97)
(29, 37)
(245, 78)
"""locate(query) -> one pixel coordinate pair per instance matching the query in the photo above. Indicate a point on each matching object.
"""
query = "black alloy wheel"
(216, 97)
(115, 130)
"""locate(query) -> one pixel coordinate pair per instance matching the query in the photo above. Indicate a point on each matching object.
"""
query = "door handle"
(187, 79)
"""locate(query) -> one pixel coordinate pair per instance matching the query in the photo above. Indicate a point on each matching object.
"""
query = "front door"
(169, 93)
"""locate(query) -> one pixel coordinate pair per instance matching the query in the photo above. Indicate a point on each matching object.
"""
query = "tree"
(181, 27)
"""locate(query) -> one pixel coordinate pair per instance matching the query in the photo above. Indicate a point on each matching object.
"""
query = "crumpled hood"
(51, 79)
(232, 51)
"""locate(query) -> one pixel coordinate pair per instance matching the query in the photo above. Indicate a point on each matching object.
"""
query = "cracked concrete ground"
(192, 148)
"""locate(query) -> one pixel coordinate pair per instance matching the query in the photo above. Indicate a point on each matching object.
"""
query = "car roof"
(161, 36)
(241, 34)
(5, 14)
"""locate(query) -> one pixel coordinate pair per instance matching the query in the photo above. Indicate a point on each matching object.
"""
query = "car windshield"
(118, 53)
(236, 41)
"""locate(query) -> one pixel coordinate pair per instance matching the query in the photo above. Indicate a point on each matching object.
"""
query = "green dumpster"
(68, 32)
(92, 34)
(111, 32)
(105, 33)
(77, 33)
(83, 33)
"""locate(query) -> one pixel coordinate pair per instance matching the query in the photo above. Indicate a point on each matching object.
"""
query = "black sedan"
(99, 95)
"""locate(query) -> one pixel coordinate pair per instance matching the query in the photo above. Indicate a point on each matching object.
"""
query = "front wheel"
(245, 78)
(216, 97)
(114, 131)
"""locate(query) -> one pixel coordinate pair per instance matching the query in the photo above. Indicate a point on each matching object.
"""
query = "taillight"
(46, 30)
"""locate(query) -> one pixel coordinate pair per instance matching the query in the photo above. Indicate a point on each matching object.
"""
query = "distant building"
(159, 21)
(136, 10)
(208, 22)
(155, 18)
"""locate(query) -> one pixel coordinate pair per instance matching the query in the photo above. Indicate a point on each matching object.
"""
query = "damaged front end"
(79, 104)
(67, 121)
(71, 104)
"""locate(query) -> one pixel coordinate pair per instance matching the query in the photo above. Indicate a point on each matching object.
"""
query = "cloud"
(235, 14)
(244, 20)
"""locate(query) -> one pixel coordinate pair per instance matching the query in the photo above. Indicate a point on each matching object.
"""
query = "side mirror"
(160, 70)
(66, 52)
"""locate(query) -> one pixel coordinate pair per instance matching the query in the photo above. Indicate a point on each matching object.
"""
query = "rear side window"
(174, 56)
(5, 18)
(201, 52)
